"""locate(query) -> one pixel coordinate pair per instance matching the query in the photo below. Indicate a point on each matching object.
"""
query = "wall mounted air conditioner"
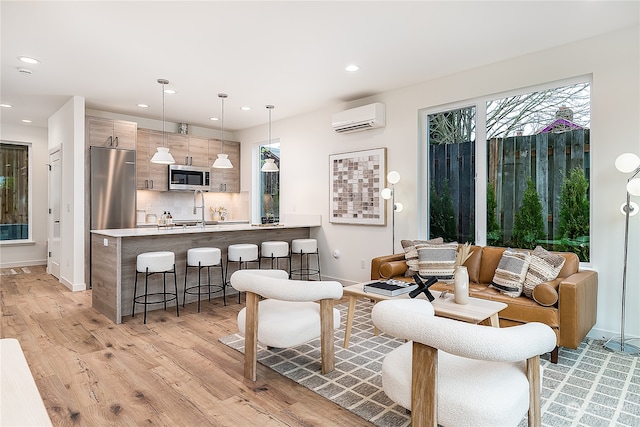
(361, 118)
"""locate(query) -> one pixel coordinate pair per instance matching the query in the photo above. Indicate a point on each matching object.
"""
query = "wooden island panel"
(113, 267)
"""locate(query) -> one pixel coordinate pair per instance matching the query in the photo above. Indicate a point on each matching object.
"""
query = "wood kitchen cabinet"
(225, 180)
(150, 176)
(110, 133)
(199, 152)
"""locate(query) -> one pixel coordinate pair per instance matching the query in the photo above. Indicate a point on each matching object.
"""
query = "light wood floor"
(170, 372)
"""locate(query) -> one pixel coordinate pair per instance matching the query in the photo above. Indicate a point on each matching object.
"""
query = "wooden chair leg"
(424, 392)
(251, 337)
(326, 335)
(533, 375)
(554, 355)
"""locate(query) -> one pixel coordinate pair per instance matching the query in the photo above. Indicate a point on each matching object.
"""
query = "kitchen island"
(114, 252)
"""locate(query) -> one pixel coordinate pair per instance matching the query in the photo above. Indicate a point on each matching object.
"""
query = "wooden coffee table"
(475, 312)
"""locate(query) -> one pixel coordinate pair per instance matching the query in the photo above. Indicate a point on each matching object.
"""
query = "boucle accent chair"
(288, 317)
(460, 374)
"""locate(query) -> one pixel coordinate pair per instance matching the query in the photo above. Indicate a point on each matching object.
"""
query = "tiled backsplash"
(180, 204)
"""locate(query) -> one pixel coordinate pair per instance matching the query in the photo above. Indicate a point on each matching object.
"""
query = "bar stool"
(275, 251)
(242, 253)
(152, 263)
(304, 248)
(203, 258)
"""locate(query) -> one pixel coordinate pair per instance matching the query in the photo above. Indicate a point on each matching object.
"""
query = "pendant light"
(222, 162)
(162, 156)
(270, 163)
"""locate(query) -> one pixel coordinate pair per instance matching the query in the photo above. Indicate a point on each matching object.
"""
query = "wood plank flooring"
(170, 372)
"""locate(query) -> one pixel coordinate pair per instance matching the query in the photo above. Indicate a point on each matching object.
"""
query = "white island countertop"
(164, 231)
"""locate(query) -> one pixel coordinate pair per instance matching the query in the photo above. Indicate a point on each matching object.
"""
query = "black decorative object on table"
(423, 286)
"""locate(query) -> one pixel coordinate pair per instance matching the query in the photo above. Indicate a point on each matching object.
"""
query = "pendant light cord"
(222, 96)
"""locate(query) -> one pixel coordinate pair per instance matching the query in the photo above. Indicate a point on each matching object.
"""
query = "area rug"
(588, 387)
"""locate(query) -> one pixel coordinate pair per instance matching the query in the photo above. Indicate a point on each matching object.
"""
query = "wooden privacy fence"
(547, 158)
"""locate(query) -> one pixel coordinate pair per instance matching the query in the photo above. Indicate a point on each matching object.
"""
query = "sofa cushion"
(437, 260)
(544, 266)
(511, 272)
(389, 269)
(545, 294)
(411, 254)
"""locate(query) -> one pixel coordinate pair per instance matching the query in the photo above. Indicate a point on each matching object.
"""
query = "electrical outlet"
(362, 266)
(106, 242)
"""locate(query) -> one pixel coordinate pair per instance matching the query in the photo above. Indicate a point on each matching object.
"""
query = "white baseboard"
(23, 263)
(74, 287)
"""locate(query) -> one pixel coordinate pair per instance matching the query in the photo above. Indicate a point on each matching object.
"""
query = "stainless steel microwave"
(188, 178)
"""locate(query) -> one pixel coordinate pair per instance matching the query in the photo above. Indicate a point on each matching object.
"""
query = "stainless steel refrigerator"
(113, 188)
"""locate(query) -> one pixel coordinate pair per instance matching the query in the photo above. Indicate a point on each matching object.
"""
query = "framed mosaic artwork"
(356, 181)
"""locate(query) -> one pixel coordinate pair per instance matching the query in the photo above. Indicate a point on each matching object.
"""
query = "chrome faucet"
(195, 193)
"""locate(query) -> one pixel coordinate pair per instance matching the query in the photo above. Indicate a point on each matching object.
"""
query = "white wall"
(66, 128)
(34, 252)
(307, 141)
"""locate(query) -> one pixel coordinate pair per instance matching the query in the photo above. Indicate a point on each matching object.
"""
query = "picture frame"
(356, 179)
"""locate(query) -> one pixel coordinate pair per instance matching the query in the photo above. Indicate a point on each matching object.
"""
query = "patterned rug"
(589, 387)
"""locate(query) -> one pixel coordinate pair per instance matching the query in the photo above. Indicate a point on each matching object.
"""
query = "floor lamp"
(393, 178)
(627, 163)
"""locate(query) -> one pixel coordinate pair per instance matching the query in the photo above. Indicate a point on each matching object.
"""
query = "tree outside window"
(270, 185)
(542, 136)
(14, 191)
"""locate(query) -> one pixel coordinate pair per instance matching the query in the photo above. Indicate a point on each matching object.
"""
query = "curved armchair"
(288, 317)
(460, 374)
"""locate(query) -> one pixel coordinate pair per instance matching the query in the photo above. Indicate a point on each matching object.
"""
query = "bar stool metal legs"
(241, 253)
(275, 251)
(151, 263)
(203, 258)
(304, 248)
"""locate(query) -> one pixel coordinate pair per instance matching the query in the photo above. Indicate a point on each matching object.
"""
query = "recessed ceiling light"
(26, 121)
(214, 118)
(352, 67)
(170, 91)
(245, 108)
(143, 106)
(28, 60)
(6, 105)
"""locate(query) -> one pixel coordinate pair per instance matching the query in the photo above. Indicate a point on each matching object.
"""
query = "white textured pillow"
(437, 260)
(411, 254)
(544, 266)
(511, 272)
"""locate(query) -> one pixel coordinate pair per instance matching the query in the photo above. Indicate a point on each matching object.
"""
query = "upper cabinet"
(199, 152)
(150, 176)
(186, 150)
(225, 180)
(109, 133)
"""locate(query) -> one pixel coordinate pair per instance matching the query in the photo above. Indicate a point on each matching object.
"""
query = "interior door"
(55, 195)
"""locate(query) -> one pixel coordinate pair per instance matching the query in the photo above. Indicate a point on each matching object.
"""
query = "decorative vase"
(216, 216)
(461, 285)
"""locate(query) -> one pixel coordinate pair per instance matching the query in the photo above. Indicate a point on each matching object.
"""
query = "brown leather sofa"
(567, 304)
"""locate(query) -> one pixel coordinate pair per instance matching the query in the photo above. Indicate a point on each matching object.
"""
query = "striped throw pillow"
(437, 260)
(511, 272)
(544, 266)
(411, 253)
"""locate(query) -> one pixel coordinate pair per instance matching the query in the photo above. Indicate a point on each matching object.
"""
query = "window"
(14, 191)
(524, 183)
(269, 193)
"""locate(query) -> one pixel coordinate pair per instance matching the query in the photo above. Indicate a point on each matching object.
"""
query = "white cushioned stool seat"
(305, 246)
(242, 251)
(156, 262)
(274, 249)
(284, 324)
(204, 257)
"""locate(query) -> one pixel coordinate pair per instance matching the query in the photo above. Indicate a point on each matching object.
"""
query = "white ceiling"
(291, 54)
